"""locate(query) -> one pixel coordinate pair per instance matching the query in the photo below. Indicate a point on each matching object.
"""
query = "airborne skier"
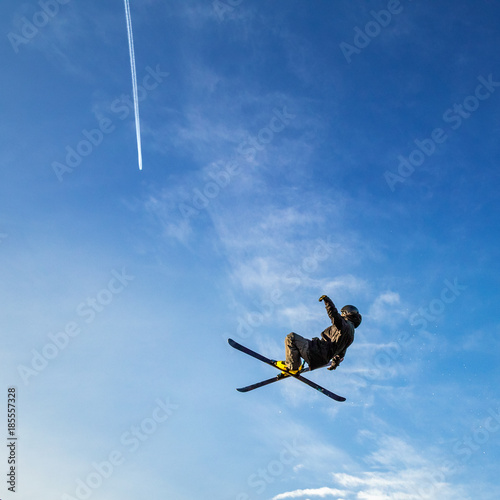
(317, 352)
(332, 345)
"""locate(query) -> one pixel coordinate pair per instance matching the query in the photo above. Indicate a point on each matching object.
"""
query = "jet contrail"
(134, 81)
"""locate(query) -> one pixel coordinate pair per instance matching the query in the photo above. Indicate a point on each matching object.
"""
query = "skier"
(332, 345)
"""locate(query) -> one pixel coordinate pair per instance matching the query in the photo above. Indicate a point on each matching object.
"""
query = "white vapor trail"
(134, 81)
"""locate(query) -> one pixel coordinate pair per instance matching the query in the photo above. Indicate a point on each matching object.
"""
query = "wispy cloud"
(396, 470)
(345, 284)
(317, 492)
(387, 308)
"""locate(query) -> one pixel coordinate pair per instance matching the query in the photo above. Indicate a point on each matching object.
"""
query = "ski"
(281, 376)
(251, 387)
(272, 362)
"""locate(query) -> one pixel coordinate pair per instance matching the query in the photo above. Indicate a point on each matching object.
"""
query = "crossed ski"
(282, 375)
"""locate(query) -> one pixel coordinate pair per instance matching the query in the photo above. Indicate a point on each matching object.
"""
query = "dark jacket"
(334, 340)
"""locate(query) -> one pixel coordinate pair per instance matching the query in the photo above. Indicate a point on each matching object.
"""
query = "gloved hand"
(335, 362)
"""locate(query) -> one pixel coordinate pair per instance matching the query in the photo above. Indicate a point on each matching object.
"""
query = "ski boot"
(283, 366)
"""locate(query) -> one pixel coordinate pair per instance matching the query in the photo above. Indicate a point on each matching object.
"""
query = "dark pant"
(296, 347)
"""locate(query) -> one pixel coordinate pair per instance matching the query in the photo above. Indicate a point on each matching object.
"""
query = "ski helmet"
(351, 313)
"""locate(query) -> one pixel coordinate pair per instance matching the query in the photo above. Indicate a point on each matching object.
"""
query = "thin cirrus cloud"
(324, 492)
(406, 473)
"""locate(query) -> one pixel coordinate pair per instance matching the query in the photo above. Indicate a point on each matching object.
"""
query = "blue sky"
(291, 149)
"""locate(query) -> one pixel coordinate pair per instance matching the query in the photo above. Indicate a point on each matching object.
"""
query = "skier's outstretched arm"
(332, 311)
(339, 322)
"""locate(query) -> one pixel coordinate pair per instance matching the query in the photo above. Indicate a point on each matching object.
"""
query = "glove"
(335, 362)
(325, 299)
